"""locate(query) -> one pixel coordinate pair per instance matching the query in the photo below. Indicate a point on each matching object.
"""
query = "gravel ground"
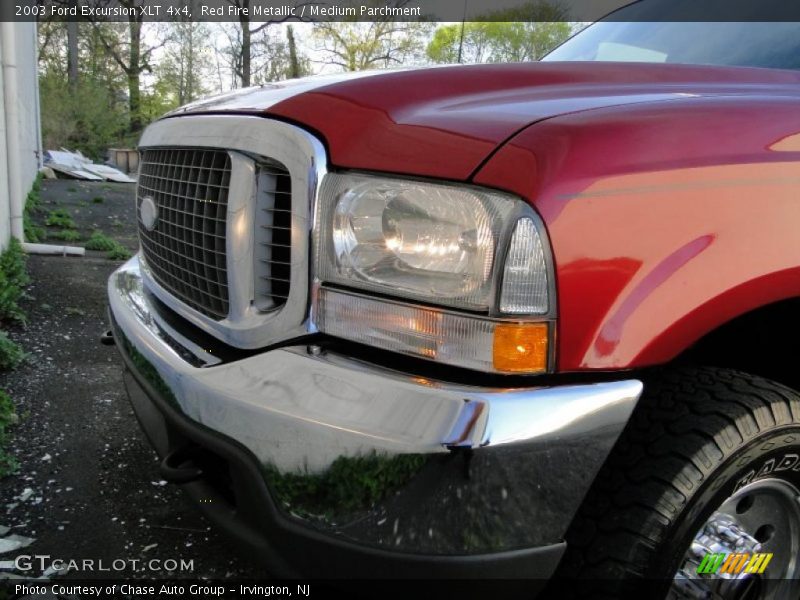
(87, 485)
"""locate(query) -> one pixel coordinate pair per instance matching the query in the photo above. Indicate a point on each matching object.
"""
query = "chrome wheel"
(759, 520)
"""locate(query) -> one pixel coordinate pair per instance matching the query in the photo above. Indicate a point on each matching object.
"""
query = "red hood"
(444, 122)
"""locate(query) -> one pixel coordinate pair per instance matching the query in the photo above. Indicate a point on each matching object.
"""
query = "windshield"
(771, 45)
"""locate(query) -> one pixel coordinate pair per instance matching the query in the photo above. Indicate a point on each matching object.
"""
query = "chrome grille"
(273, 217)
(186, 249)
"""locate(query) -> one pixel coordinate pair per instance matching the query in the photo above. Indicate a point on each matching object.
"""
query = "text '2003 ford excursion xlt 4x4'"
(486, 320)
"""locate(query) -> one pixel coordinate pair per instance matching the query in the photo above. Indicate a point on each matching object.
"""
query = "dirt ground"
(87, 484)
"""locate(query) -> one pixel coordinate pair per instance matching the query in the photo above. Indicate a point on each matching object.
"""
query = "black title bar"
(400, 10)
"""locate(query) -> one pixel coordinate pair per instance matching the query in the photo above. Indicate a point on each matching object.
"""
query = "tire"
(698, 437)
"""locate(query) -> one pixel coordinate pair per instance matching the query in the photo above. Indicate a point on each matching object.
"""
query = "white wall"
(26, 143)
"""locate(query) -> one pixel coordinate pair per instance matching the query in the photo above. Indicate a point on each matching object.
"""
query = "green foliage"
(8, 418)
(66, 235)
(11, 355)
(118, 252)
(100, 242)
(89, 118)
(350, 484)
(72, 190)
(32, 232)
(355, 46)
(98, 200)
(60, 218)
(523, 33)
(13, 277)
(13, 264)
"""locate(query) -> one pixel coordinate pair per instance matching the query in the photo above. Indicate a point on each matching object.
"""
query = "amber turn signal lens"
(520, 347)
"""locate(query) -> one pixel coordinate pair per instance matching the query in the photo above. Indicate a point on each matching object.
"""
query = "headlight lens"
(430, 242)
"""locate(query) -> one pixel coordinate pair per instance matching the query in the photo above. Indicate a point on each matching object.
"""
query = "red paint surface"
(667, 219)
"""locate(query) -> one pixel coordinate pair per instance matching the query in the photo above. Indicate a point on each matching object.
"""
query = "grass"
(98, 199)
(72, 189)
(60, 218)
(67, 235)
(102, 243)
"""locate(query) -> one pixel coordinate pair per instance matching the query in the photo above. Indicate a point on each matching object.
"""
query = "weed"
(98, 200)
(119, 252)
(67, 235)
(8, 418)
(11, 355)
(72, 189)
(13, 277)
(75, 312)
(100, 241)
(60, 218)
(32, 232)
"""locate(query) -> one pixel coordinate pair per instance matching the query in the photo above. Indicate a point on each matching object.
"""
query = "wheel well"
(763, 342)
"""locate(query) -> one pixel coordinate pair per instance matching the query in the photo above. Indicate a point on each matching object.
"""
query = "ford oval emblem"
(148, 213)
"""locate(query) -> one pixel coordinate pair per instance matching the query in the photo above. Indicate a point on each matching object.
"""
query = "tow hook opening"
(190, 462)
(107, 338)
(179, 466)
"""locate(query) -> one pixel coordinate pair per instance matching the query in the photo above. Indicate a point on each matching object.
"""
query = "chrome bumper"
(382, 458)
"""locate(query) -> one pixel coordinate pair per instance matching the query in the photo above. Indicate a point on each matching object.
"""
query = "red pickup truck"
(517, 320)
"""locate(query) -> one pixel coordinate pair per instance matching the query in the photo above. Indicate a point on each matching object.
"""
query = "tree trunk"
(188, 71)
(244, 21)
(133, 72)
(294, 65)
(72, 51)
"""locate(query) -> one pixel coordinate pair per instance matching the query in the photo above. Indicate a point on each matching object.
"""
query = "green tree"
(125, 45)
(356, 46)
(186, 60)
(88, 119)
(523, 33)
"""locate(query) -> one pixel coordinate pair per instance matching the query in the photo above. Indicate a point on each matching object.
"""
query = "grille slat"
(186, 250)
(273, 260)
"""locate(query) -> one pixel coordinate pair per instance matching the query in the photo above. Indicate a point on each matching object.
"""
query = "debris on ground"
(77, 166)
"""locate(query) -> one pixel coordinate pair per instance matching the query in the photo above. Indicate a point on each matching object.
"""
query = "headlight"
(450, 245)
(429, 242)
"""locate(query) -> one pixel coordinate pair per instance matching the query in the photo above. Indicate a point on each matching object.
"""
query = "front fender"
(667, 220)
